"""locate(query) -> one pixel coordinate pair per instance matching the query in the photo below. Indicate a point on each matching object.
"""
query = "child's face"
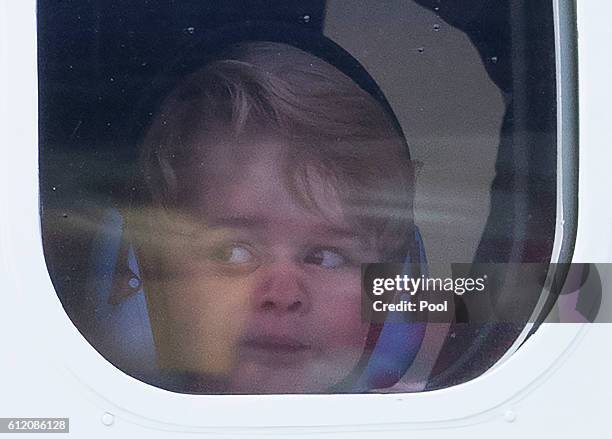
(269, 294)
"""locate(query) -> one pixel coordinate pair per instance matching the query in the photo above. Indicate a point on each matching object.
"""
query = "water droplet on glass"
(112, 79)
(305, 18)
(494, 59)
(53, 188)
(421, 49)
(436, 27)
(190, 30)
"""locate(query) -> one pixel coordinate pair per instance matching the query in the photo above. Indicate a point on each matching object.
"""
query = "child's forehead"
(248, 177)
(264, 171)
(226, 153)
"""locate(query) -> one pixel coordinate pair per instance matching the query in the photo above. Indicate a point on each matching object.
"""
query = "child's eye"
(326, 258)
(233, 253)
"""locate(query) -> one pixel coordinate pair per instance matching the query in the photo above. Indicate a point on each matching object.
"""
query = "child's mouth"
(275, 350)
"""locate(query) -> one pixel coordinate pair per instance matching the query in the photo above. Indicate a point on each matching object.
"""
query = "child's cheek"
(336, 310)
(204, 317)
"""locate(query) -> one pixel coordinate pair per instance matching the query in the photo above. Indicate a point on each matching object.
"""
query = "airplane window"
(216, 175)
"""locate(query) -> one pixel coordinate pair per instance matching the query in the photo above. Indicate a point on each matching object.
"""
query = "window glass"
(214, 176)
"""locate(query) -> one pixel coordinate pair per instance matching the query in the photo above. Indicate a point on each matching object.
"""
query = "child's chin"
(315, 374)
(299, 381)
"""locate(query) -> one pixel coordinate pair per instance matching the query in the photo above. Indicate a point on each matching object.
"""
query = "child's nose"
(281, 290)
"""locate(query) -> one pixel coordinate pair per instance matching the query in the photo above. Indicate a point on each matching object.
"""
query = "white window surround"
(49, 369)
